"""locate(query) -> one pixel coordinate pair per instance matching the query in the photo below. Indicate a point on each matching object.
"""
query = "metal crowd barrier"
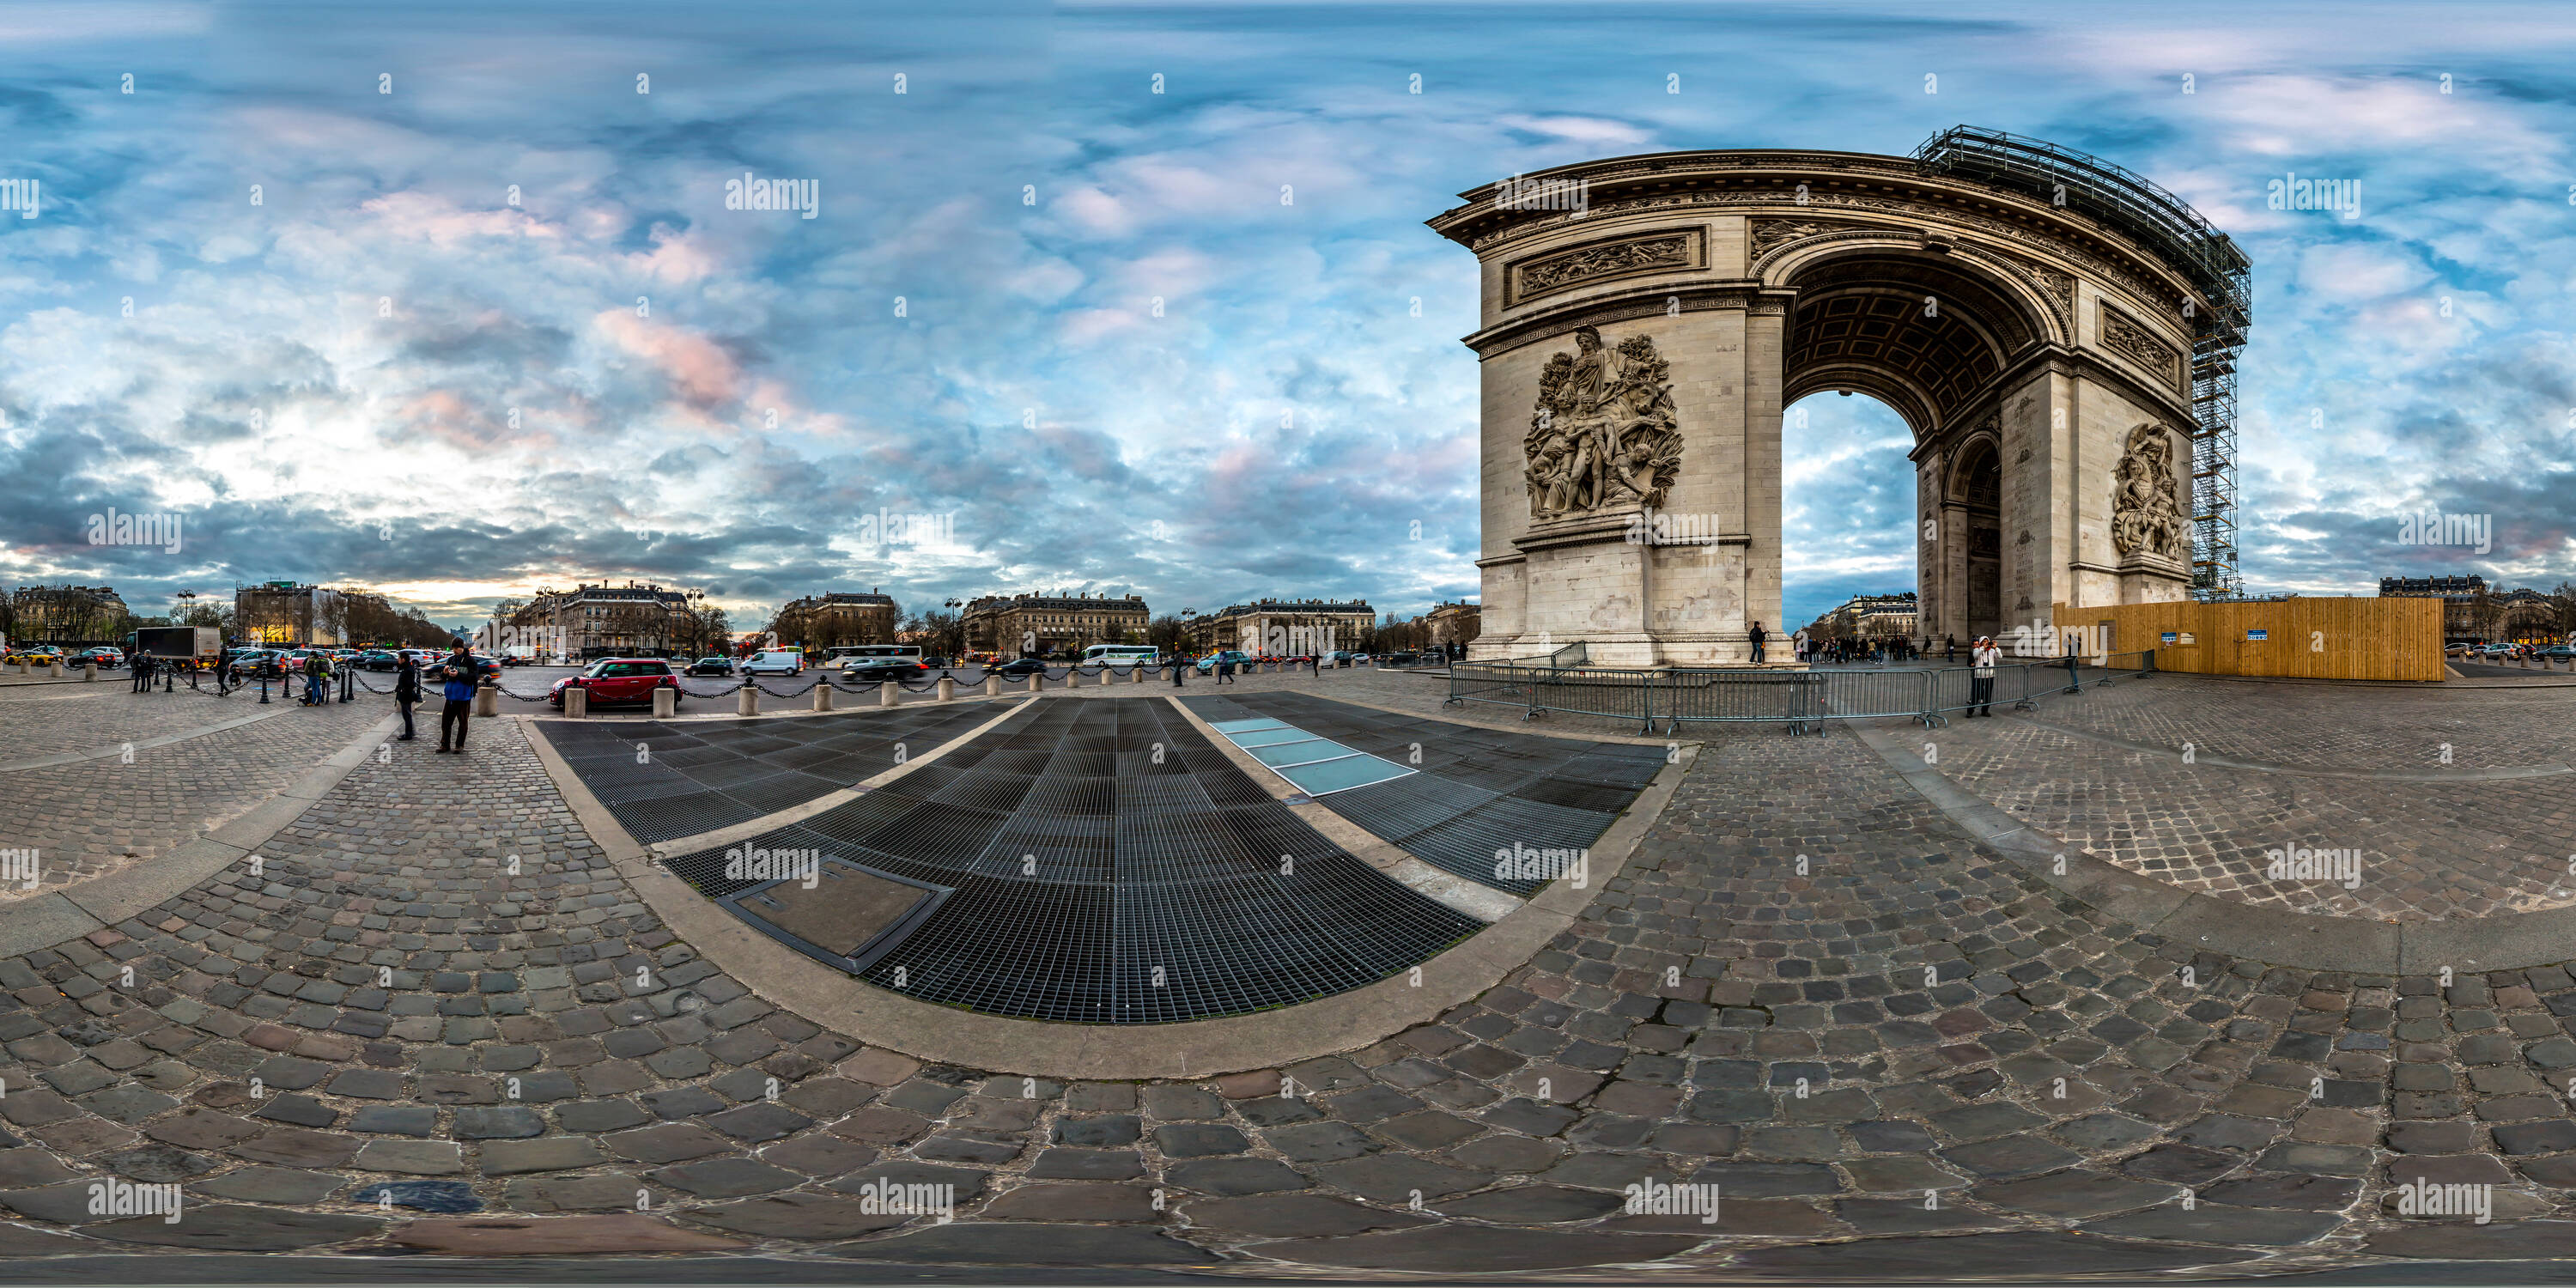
(1799, 701)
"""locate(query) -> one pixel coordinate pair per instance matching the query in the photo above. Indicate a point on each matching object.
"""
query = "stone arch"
(1926, 331)
(1746, 280)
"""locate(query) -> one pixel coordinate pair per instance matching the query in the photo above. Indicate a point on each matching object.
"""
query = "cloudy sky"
(453, 306)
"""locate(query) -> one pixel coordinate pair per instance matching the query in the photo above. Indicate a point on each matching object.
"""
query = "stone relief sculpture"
(1603, 435)
(2145, 518)
(1643, 253)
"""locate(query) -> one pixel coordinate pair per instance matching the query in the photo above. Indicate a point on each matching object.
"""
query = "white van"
(775, 662)
(1120, 655)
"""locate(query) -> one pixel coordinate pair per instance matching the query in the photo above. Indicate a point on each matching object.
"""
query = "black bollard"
(263, 686)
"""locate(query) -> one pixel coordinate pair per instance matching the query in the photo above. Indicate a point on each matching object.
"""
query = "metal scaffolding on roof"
(2172, 231)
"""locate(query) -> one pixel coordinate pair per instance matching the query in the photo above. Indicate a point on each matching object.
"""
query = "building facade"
(1040, 625)
(1448, 624)
(2475, 612)
(1284, 626)
(1868, 617)
(287, 614)
(65, 615)
(632, 620)
(820, 622)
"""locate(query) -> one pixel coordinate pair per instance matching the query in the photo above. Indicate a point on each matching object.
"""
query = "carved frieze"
(1558, 270)
(1603, 434)
(1771, 234)
(2096, 267)
(2130, 338)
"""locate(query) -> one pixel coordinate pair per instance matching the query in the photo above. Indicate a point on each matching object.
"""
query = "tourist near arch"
(2058, 334)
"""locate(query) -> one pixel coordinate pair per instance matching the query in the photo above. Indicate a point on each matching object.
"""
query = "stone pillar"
(666, 702)
(1037, 681)
(576, 701)
(747, 700)
(947, 688)
(89, 670)
(888, 694)
(1136, 674)
(823, 694)
(54, 668)
(1073, 677)
(992, 686)
(487, 697)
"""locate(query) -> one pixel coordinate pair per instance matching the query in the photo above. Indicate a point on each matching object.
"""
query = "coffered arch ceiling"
(1923, 332)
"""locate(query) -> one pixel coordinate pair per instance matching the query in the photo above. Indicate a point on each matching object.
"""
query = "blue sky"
(1193, 344)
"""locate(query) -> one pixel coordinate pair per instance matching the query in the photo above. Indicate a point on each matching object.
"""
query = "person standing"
(142, 672)
(1757, 636)
(459, 672)
(406, 692)
(317, 679)
(1981, 679)
(1224, 669)
(1952, 644)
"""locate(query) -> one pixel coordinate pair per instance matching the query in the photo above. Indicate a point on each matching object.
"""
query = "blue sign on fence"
(2170, 636)
(2257, 633)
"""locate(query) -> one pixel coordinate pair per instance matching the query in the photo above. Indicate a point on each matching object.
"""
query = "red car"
(612, 680)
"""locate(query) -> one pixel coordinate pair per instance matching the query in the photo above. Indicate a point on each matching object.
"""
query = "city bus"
(1121, 655)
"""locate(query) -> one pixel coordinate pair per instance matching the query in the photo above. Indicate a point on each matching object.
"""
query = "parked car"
(2556, 653)
(877, 670)
(107, 659)
(775, 662)
(619, 680)
(712, 666)
(1235, 655)
(1015, 668)
(379, 660)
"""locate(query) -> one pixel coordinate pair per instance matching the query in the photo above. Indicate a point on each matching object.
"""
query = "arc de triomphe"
(1647, 318)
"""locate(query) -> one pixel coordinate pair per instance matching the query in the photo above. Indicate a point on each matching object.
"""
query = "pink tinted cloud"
(698, 368)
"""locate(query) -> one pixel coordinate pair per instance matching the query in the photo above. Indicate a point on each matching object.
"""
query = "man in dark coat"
(407, 691)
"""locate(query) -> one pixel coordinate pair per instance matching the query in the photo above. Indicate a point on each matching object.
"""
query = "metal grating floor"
(697, 777)
(1090, 883)
(1478, 791)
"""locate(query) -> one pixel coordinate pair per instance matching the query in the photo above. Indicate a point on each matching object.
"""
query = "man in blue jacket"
(458, 670)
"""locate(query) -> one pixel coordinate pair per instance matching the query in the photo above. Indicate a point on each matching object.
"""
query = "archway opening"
(1846, 515)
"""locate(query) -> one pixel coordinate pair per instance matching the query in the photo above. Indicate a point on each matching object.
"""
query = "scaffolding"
(2176, 234)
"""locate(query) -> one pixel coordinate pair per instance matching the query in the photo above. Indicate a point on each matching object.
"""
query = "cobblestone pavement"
(95, 816)
(2334, 727)
(1810, 989)
(2426, 850)
(46, 720)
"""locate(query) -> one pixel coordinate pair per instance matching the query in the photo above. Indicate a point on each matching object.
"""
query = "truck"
(197, 643)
